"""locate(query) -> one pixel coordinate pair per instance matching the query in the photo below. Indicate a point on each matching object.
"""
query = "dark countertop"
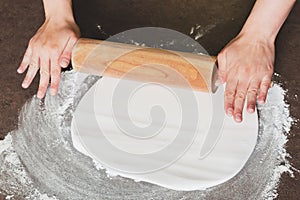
(20, 20)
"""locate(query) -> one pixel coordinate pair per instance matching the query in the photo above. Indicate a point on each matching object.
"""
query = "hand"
(49, 50)
(246, 65)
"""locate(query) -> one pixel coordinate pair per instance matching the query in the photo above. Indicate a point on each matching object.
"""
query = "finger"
(221, 68)
(25, 61)
(252, 95)
(264, 87)
(230, 94)
(55, 76)
(239, 100)
(65, 57)
(33, 68)
(44, 78)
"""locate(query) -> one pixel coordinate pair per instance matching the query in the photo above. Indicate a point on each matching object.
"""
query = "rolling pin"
(170, 68)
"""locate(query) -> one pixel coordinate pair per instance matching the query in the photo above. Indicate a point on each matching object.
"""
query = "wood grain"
(170, 68)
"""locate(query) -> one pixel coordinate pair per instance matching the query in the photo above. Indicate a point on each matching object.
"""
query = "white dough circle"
(171, 137)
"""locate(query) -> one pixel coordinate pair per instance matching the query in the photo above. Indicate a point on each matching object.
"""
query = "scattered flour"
(198, 31)
(38, 161)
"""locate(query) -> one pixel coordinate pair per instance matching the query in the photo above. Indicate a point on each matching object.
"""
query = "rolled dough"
(153, 143)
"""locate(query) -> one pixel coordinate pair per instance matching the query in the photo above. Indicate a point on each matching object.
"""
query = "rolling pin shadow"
(171, 68)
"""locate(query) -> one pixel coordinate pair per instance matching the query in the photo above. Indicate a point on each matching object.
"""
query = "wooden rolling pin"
(131, 62)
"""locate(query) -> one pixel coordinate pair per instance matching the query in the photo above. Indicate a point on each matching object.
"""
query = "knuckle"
(246, 70)
(240, 95)
(54, 48)
(260, 65)
(49, 48)
(44, 72)
(265, 85)
(253, 91)
(229, 105)
(238, 107)
(34, 64)
(229, 94)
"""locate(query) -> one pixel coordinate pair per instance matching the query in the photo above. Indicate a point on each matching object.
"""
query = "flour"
(199, 31)
(16, 179)
(38, 158)
(39, 161)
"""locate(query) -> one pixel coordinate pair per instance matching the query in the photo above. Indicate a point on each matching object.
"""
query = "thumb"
(222, 69)
(65, 57)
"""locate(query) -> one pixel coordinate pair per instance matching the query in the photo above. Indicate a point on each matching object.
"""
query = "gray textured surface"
(20, 20)
(44, 147)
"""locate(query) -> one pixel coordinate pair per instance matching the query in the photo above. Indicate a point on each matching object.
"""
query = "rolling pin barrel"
(166, 67)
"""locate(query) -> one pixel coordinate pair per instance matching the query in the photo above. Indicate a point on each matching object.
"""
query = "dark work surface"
(20, 20)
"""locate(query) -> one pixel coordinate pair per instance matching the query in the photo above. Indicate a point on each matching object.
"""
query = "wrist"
(257, 36)
(58, 11)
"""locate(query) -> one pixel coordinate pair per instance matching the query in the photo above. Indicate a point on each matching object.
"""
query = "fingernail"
(19, 71)
(229, 112)
(39, 95)
(238, 117)
(261, 101)
(52, 91)
(218, 82)
(24, 85)
(251, 110)
(64, 63)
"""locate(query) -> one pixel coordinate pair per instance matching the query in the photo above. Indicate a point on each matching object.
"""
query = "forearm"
(266, 19)
(58, 9)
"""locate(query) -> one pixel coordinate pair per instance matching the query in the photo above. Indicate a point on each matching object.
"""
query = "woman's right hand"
(48, 51)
